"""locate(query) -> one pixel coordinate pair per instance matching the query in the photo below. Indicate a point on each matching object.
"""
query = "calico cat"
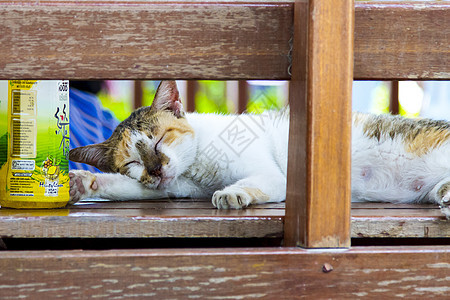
(160, 151)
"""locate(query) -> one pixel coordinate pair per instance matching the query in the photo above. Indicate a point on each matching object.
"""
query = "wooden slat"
(318, 185)
(402, 40)
(100, 226)
(407, 226)
(383, 205)
(376, 220)
(143, 219)
(197, 218)
(154, 40)
(399, 213)
(182, 203)
(143, 40)
(244, 273)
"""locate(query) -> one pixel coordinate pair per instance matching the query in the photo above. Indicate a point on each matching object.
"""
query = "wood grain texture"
(184, 218)
(402, 40)
(318, 187)
(377, 220)
(245, 273)
(143, 40)
(208, 40)
(197, 218)
(400, 227)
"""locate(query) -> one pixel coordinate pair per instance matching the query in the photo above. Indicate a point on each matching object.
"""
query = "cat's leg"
(251, 190)
(440, 194)
(84, 184)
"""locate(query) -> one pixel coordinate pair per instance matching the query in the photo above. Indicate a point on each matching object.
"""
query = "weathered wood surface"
(141, 40)
(288, 273)
(402, 40)
(398, 220)
(216, 40)
(318, 181)
(171, 218)
(198, 218)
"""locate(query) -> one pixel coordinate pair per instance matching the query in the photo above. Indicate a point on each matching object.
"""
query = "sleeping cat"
(160, 151)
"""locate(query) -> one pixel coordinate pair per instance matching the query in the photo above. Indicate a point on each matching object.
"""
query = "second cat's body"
(239, 160)
(399, 160)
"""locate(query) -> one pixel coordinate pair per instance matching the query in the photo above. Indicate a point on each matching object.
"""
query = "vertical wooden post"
(137, 93)
(191, 90)
(318, 187)
(243, 97)
(394, 105)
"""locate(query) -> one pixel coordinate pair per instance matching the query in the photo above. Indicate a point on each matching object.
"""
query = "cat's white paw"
(445, 205)
(231, 198)
(82, 185)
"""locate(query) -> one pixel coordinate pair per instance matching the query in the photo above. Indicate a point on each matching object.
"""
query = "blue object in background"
(90, 123)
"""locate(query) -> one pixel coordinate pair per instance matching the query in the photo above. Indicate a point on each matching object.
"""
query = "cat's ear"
(168, 98)
(94, 155)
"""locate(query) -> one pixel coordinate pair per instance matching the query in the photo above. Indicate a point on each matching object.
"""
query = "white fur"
(214, 163)
(383, 170)
(135, 169)
(394, 174)
(227, 153)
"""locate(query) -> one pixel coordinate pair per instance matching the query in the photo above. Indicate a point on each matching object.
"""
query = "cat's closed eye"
(158, 144)
(131, 162)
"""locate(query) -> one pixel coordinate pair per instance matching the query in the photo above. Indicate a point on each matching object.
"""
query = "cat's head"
(153, 145)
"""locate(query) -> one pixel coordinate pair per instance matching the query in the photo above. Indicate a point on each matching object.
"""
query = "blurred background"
(408, 98)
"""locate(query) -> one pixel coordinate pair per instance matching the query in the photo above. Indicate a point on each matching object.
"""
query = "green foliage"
(265, 98)
(148, 92)
(211, 97)
(380, 99)
(120, 107)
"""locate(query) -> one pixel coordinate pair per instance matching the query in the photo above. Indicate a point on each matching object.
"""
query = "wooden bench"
(234, 40)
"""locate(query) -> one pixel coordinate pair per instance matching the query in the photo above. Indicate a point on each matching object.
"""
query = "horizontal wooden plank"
(402, 40)
(197, 218)
(398, 212)
(400, 227)
(398, 220)
(142, 40)
(288, 273)
(217, 40)
(181, 203)
(162, 218)
(384, 205)
(98, 225)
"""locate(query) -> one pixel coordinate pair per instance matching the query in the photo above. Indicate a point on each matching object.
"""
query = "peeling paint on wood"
(198, 218)
(219, 39)
(226, 273)
(402, 40)
(144, 40)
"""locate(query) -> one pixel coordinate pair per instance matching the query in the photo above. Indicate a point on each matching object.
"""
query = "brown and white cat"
(238, 160)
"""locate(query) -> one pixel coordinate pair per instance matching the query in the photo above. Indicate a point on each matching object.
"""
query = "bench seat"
(197, 218)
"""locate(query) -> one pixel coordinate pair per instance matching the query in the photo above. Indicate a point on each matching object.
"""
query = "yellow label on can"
(34, 143)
